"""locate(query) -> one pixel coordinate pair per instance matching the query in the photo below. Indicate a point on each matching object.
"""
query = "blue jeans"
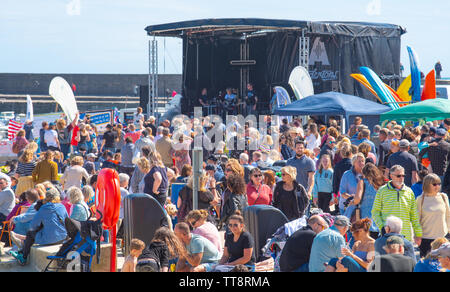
(349, 263)
(303, 268)
(65, 149)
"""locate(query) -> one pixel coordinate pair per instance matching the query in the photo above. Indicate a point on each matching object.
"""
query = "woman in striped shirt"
(24, 170)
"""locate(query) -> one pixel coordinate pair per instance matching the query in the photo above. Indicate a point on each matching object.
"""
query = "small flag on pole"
(13, 128)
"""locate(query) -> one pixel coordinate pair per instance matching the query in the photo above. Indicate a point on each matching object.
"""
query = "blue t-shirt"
(304, 166)
(200, 244)
(326, 246)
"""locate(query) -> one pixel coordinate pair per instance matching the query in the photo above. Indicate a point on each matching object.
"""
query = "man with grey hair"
(158, 134)
(243, 160)
(407, 161)
(123, 181)
(393, 227)
(394, 260)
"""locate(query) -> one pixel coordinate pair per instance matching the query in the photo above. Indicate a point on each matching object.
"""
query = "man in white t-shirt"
(51, 138)
(138, 116)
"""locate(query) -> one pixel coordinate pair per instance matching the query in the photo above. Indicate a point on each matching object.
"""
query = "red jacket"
(261, 196)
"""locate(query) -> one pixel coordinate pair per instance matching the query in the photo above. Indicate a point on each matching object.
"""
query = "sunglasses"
(233, 225)
(257, 175)
(283, 174)
(437, 184)
(400, 176)
(228, 169)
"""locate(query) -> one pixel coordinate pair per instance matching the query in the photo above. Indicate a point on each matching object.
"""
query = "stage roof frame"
(252, 25)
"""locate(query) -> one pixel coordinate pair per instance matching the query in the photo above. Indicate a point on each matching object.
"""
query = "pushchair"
(76, 254)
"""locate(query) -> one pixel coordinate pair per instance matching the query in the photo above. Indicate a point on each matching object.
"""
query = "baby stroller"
(77, 252)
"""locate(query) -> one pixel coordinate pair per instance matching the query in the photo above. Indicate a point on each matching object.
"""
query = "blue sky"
(99, 36)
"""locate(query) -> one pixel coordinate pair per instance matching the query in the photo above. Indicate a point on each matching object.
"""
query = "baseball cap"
(404, 143)
(395, 240)
(441, 132)
(210, 167)
(342, 221)
(212, 158)
(443, 251)
(91, 155)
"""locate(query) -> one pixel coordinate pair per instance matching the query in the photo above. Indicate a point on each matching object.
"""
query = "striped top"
(399, 203)
(25, 169)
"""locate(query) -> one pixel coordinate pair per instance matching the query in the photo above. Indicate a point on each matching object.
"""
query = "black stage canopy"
(335, 50)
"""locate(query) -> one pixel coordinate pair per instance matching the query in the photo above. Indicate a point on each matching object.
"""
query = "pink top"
(259, 196)
(134, 135)
(210, 232)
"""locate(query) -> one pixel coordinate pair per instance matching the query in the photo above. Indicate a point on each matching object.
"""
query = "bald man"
(295, 255)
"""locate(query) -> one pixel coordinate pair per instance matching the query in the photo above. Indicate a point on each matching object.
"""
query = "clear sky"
(100, 36)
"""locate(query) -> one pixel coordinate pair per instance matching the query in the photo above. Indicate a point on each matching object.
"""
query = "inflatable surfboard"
(61, 91)
(429, 88)
(30, 113)
(379, 87)
(363, 80)
(403, 89)
(415, 74)
(301, 82)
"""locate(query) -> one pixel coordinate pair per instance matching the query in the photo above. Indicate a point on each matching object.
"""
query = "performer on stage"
(251, 100)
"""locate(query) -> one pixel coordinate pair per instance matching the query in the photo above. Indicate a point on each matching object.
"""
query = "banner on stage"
(100, 119)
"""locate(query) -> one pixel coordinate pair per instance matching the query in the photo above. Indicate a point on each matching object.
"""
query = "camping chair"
(84, 241)
(7, 226)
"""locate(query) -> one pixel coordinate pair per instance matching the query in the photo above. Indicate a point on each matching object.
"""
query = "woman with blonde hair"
(197, 219)
(24, 172)
(206, 198)
(137, 182)
(233, 166)
(431, 263)
(434, 212)
(290, 196)
(74, 174)
(156, 181)
(79, 209)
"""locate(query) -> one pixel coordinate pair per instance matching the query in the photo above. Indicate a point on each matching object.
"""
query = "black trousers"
(29, 241)
(324, 201)
(425, 247)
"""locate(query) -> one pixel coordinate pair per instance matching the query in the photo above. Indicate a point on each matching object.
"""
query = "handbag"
(356, 214)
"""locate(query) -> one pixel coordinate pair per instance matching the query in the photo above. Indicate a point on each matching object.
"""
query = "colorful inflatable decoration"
(429, 88)
(108, 204)
(403, 89)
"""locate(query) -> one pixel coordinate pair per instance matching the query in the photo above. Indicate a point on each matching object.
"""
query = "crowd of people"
(368, 198)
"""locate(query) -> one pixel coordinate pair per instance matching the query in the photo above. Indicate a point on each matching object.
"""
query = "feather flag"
(30, 113)
(13, 128)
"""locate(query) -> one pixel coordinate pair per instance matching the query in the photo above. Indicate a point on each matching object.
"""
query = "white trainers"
(17, 241)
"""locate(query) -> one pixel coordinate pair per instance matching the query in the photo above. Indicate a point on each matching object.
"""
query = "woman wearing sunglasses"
(258, 193)
(239, 244)
(434, 212)
(290, 196)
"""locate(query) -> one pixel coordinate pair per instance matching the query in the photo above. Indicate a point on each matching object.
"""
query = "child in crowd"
(136, 248)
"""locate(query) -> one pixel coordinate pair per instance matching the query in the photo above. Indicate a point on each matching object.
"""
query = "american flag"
(13, 128)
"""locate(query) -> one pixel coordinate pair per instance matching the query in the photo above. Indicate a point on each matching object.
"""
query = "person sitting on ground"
(136, 248)
(80, 210)
(443, 254)
(164, 246)
(197, 219)
(431, 263)
(327, 244)
(46, 228)
(296, 251)
(393, 227)
(394, 260)
(239, 244)
(201, 255)
(73, 175)
(362, 253)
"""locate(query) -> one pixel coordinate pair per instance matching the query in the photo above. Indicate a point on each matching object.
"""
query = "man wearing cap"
(394, 260)
(327, 244)
(89, 164)
(219, 175)
(407, 161)
(438, 153)
(443, 254)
